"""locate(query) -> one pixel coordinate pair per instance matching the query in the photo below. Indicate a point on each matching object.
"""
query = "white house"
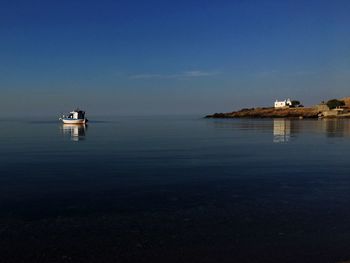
(283, 103)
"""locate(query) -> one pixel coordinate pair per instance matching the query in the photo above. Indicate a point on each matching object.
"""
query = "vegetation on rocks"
(296, 103)
(334, 103)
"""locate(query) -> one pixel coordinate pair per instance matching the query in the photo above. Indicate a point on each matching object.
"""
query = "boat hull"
(74, 121)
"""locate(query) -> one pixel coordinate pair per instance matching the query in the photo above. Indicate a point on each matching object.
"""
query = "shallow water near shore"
(175, 189)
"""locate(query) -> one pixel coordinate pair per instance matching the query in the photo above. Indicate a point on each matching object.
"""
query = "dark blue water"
(175, 189)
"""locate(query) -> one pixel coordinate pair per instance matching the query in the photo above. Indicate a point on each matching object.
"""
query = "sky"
(170, 57)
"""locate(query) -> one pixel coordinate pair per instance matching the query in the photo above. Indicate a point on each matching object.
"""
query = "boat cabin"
(76, 114)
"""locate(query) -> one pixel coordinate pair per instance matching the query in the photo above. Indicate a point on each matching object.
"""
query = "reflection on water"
(281, 130)
(336, 127)
(245, 194)
(284, 129)
(77, 132)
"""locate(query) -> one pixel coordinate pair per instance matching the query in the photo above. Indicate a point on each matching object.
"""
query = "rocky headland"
(320, 110)
(269, 113)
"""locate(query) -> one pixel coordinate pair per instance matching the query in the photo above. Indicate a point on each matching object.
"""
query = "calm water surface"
(175, 189)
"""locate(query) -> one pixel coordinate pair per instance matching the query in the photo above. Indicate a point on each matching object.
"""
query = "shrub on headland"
(334, 103)
(295, 103)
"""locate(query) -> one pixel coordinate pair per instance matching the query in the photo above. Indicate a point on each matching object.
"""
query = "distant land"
(335, 108)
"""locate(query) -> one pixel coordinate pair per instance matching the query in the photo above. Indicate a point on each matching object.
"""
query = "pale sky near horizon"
(170, 57)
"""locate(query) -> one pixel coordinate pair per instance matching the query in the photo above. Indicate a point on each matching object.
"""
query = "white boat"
(74, 117)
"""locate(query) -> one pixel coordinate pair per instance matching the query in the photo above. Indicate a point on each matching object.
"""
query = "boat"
(74, 117)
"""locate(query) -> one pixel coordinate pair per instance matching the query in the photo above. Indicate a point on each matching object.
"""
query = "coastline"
(334, 108)
(269, 113)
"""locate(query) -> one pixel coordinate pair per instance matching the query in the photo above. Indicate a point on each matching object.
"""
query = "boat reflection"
(77, 132)
(281, 130)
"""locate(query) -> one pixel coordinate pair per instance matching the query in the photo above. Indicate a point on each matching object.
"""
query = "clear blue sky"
(170, 57)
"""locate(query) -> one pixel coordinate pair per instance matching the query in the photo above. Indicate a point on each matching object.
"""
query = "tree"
(295, 103)
(332, 104)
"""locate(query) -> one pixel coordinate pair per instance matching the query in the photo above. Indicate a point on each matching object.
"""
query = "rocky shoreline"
(335, 108)
(269, 113)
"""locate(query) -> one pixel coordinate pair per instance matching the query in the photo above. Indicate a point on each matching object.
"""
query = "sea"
(175, 189)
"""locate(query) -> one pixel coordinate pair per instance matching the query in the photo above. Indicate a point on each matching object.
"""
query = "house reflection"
(285, 130)
(281, 130)
(77, 132)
